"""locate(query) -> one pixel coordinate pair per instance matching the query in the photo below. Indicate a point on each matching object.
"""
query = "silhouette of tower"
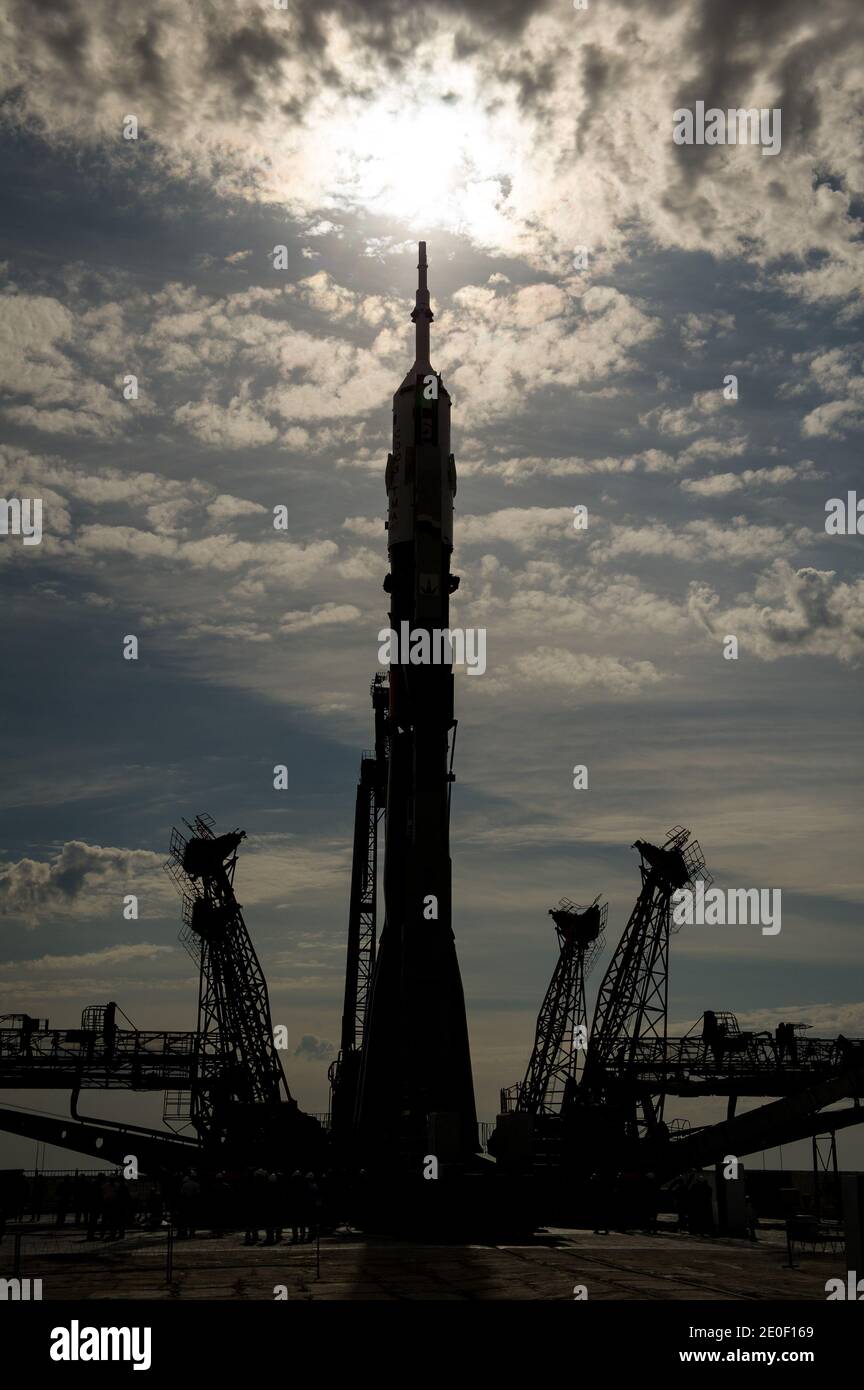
(416, 1092)
(562, 1024)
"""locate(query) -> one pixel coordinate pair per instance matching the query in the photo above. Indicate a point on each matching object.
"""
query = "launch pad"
(586, 1129)
(552, 1267)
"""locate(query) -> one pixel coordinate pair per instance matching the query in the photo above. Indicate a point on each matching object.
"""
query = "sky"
(595, 285)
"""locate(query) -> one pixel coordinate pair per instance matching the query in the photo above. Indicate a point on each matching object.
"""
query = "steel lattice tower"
(553, 1069)
(238, 1065)
(632, 1004)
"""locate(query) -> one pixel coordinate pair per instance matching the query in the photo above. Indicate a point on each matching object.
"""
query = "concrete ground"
(664, 1267)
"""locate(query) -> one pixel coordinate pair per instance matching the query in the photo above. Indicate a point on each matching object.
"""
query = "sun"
(432, 164)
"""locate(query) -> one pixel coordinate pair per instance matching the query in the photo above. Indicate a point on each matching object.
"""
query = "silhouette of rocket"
(416, 1086)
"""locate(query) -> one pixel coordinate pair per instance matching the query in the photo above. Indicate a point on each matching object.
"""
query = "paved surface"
(617, 1266)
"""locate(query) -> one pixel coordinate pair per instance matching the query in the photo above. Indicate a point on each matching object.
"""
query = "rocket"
(416, 1089)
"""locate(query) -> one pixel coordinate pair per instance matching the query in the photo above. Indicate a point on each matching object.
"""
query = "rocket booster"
(416, 1055)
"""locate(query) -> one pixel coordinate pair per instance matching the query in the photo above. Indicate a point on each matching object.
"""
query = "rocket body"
(416, 1078)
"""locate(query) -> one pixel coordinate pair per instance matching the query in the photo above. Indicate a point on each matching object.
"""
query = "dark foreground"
(665, 1267)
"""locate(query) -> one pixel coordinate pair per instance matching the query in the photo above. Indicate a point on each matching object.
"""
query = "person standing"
(190, 1199)
(271, 1208)
(313, 1205)
(297, 1207)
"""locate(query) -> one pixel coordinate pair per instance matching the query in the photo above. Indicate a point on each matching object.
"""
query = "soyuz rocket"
(416, 1089)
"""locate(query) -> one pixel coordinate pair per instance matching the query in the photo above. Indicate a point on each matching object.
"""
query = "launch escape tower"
(415, 1087)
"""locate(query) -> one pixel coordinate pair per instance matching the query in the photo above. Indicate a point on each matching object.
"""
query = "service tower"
(416, 1089)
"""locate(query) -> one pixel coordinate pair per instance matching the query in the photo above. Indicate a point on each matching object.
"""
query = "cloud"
(698, 329)
(323, 228)
(710, 447)
(836, 372)
(235, 426)
(312, 1049)
(370, 526)
(551, 667)
(706, 408)
(736, 543)
(33, 330)
(522, 470)
(322, 293)
(555, 597)
(549, 127)
(32, 888)
(225, 507)
(834, 420)
(264, 378)
(380, 246)
(578, 337)
(98, 486)
(37, 337)
(519, 526)
(792, 612)
(109, 957)
(265, 561)
(722, 484)
(326, 615)
(287, 868)
(825, 1020)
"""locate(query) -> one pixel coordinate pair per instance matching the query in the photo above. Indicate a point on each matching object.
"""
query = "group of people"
(624, 1201)
(257, 1200)
(103, 1203)
(110, 1209)
(695, 1204)
(260, 1202)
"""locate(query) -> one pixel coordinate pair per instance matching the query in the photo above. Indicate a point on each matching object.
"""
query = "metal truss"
(555, 1060)
(632, 1004)
(233, 1003)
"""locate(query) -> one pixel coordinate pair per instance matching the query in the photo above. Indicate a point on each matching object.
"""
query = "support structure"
(826, 1175)
(561, 1036)
(632, 1004)
(371, 800)
(243, 1082)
